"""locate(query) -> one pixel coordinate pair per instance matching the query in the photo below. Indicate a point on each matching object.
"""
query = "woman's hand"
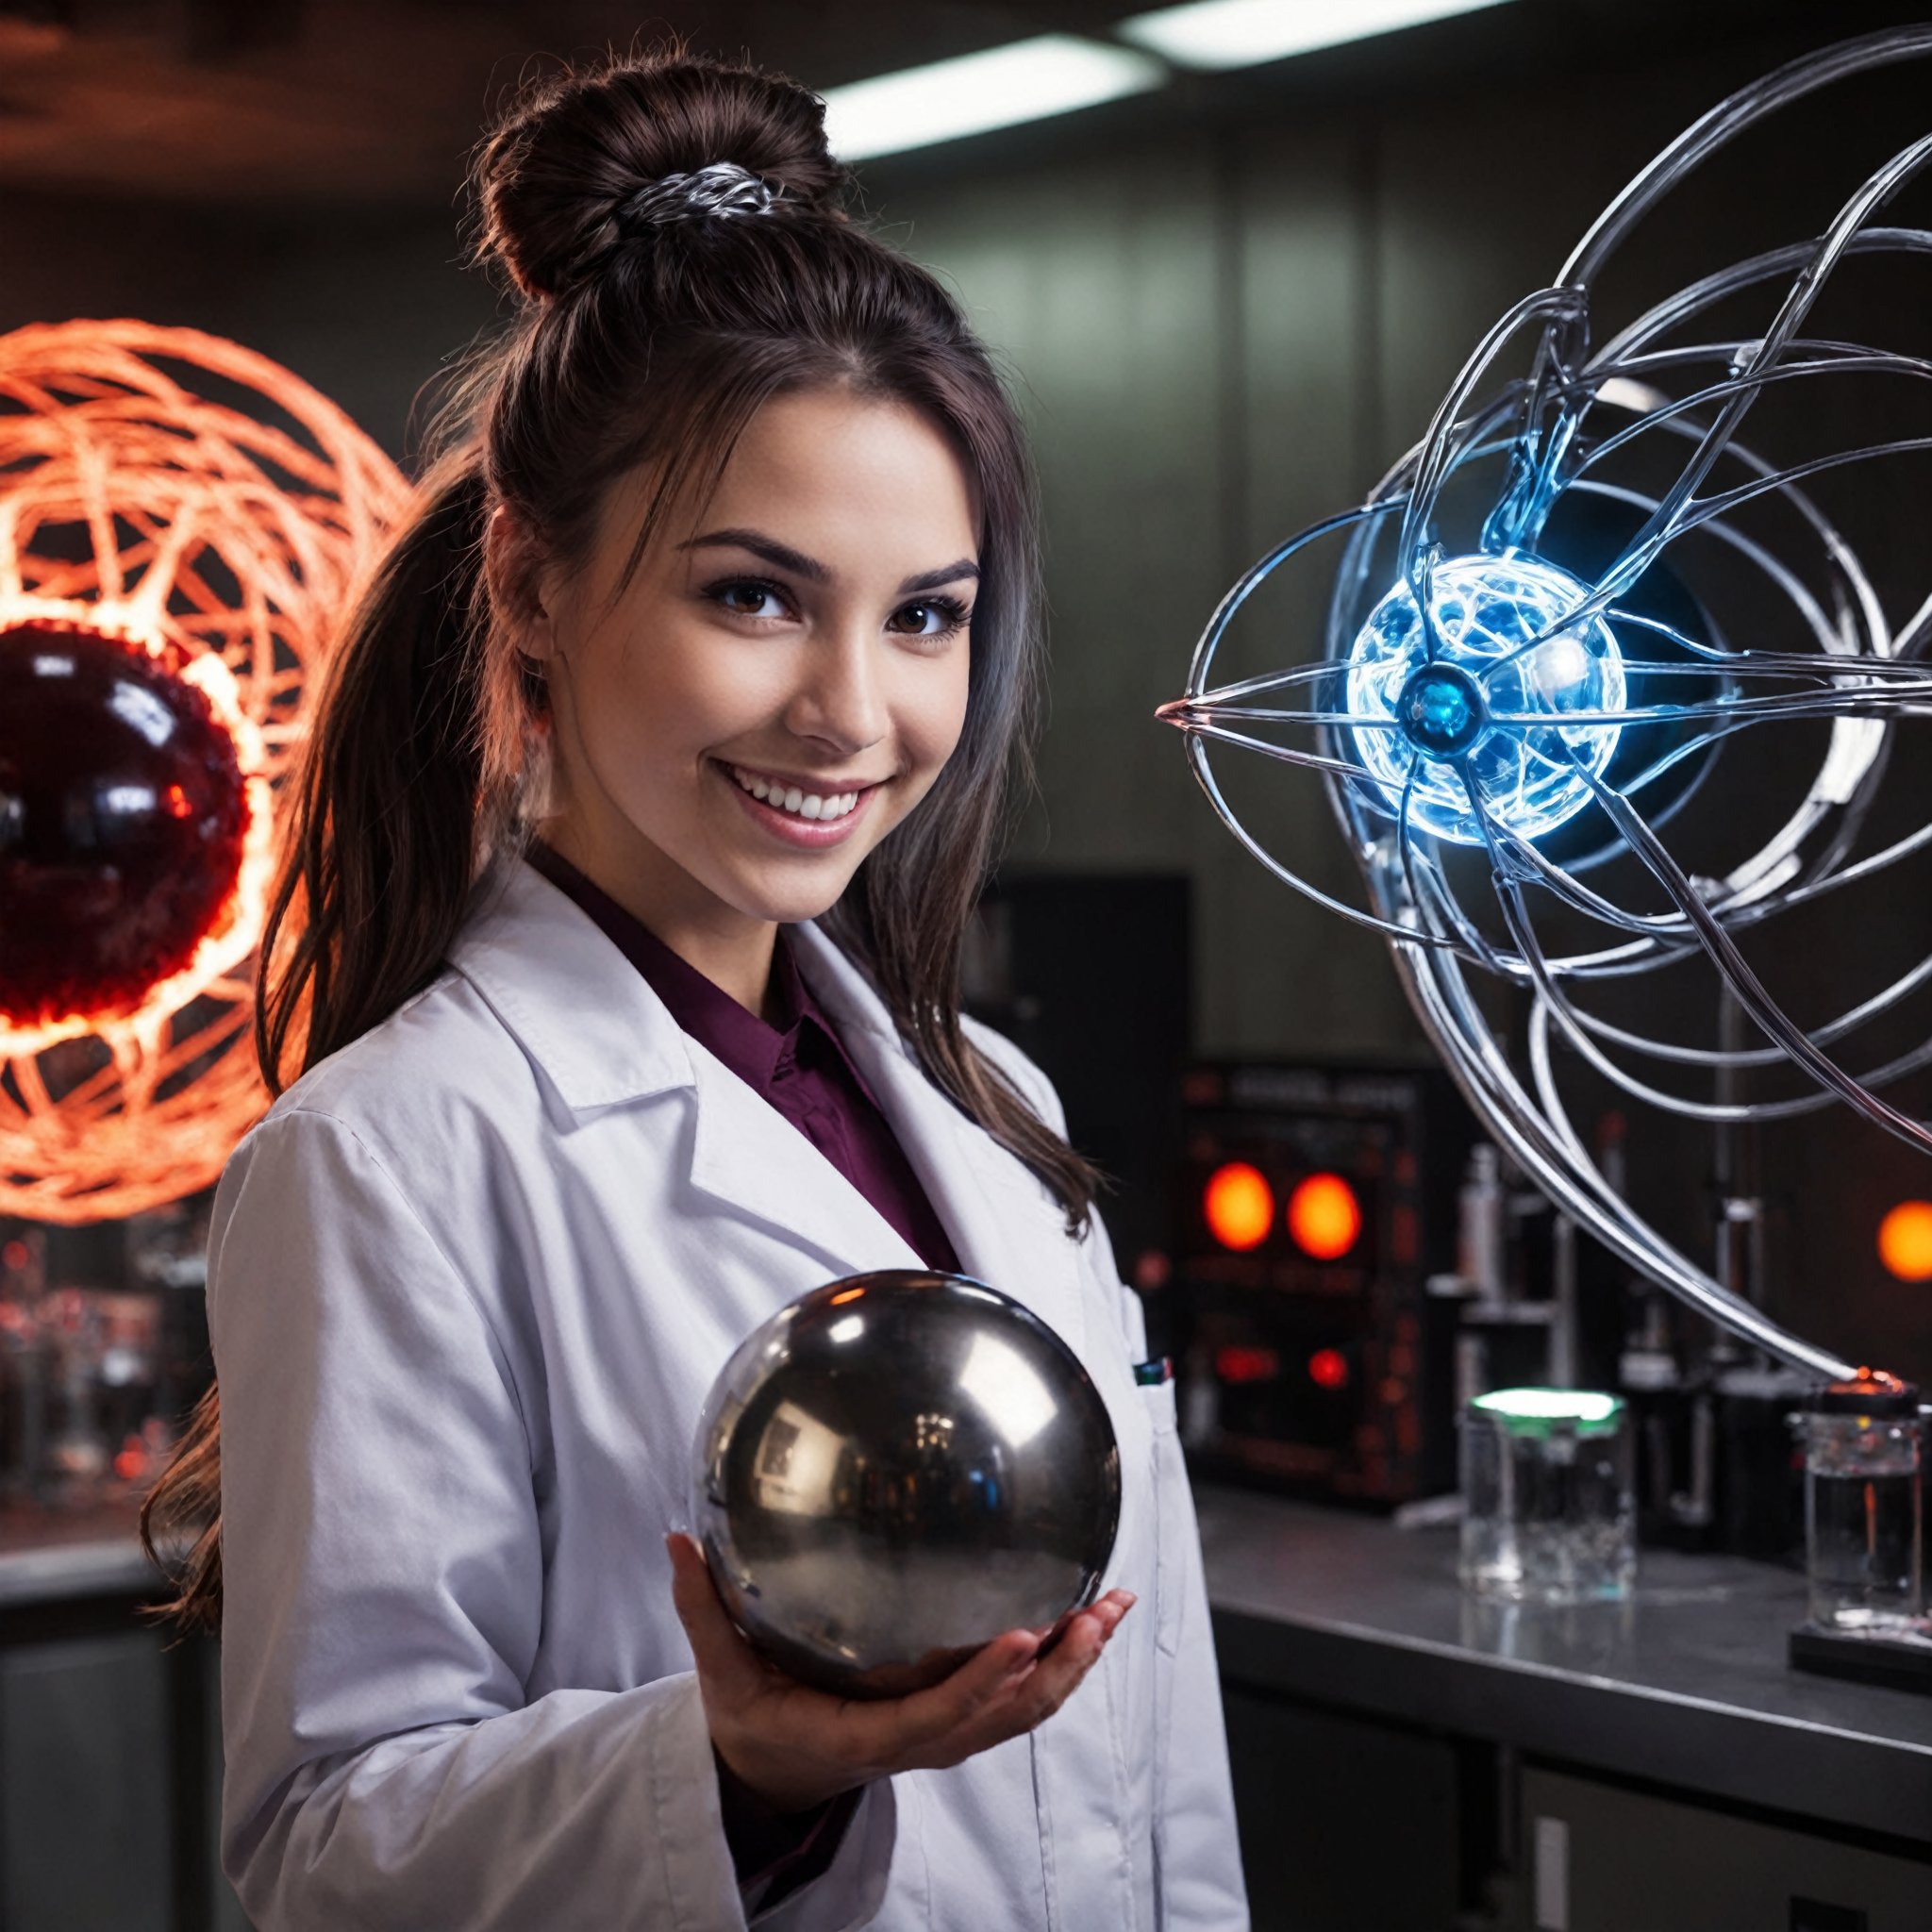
(796, 1747)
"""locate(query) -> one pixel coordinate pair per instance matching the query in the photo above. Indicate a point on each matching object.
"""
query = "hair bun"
(574, 151)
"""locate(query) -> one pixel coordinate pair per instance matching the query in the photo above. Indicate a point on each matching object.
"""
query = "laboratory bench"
(1407, 1758)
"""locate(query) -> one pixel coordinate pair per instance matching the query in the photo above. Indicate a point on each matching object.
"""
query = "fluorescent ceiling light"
(977, 93)
(1241, 33)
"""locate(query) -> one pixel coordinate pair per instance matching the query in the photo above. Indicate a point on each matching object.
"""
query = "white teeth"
(804, 805)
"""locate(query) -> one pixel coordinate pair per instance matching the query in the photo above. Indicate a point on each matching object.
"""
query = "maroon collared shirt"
(796, 1061)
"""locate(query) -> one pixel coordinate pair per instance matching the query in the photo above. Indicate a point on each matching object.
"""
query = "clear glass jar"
(1548, 1513)
(1864, 1456)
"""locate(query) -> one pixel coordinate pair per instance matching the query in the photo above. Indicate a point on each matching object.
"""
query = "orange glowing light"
(196, 503)
(1905, 1241)
(1240, 1206)
(1325, 1217)
(1328, 1369)
(846, 1294)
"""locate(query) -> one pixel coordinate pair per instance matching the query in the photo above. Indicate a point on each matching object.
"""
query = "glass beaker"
(1548, 1514)
(1863, 1452)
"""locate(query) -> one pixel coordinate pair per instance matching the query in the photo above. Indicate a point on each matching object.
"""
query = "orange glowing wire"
(184, 496)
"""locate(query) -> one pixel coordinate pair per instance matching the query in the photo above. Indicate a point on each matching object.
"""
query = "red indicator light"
(1325, 1217)
(1246, 1364)
(1905, 1241)
(1153, 1270)
(16, 1255)
(1328, 1369)
(1240, 1206)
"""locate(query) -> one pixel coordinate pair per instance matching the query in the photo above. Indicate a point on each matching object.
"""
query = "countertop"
(1686, 1683)
(49, 1556)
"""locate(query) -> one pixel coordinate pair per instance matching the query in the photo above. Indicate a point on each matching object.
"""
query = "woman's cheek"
(937, 716)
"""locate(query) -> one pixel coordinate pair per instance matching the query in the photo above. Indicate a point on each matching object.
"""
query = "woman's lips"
(811, 835)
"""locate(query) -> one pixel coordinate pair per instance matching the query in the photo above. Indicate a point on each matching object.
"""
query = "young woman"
(618, 946)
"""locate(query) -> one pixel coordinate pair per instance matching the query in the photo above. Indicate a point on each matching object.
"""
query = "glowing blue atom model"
(1615, 564)
(1464, 690)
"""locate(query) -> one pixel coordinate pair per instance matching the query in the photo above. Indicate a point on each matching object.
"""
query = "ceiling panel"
(377, 101)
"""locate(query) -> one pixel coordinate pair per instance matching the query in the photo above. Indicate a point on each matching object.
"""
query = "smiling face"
(775, 688)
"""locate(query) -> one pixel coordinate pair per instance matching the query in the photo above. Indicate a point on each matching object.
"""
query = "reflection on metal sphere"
(895, 1469)
(124, 814)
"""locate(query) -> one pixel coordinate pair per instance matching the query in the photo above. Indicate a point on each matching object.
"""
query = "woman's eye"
(933, 617)
(748, 599)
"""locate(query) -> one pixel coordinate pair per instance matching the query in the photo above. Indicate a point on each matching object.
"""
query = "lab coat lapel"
(745, 1154)
(603, 1039)
(993, 1207)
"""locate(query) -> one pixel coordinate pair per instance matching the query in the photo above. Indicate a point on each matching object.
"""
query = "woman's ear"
(512, 568)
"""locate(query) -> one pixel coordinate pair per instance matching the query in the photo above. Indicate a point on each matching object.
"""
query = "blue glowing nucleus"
(1471, 703)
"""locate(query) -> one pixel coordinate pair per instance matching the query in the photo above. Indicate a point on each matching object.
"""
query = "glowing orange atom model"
(181, 525)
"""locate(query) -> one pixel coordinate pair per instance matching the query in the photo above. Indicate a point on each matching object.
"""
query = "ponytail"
(383, 839)
(402, 791)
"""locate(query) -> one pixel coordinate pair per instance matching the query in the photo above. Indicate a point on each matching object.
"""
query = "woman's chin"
(794, 901)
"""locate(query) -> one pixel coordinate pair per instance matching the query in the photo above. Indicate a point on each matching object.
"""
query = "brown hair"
(637, 341)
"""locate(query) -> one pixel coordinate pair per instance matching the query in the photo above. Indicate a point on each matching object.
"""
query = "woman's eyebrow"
(965, 571)
(782, 557)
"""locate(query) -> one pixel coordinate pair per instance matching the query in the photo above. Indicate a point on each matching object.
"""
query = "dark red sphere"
(123, 815)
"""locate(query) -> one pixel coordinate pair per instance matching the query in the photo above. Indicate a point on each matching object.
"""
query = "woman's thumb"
(720, 1651)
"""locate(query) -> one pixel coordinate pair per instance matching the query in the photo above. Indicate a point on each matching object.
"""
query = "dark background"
(1228, 307)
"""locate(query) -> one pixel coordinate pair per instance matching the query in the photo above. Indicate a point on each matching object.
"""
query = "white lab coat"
(469, 1281)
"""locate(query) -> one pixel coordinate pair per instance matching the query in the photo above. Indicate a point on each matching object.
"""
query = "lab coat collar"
(575, 1004)
(601, 1036)
(586, 1016)
(590, 1023)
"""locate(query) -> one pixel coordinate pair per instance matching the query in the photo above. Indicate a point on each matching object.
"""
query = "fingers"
(927, 1715)
(1059, 1670)
(1005, 1691)
(724, 1661)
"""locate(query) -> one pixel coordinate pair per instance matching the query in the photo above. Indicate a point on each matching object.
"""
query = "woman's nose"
(839, 699)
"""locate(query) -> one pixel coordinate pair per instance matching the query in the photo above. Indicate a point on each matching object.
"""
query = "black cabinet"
(84, 1785)
(109, 1773)
(1604, 1858)
(1346, 1825)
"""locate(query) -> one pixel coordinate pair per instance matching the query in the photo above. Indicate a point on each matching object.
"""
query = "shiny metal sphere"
(895, 1469)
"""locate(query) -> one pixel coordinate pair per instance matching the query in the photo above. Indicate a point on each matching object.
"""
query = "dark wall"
(364, 304)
